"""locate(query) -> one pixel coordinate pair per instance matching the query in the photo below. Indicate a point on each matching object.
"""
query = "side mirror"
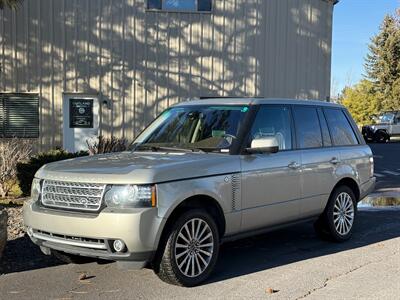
(264, 145)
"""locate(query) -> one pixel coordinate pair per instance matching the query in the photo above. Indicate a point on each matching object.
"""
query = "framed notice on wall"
(81, 113)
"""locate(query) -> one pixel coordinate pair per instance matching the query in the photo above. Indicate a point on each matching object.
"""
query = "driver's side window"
(273, 120)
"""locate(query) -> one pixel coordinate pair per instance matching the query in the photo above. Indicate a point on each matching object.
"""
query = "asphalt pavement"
(387, 164)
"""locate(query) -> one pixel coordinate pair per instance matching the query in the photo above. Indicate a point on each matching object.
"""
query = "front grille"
(72, 195)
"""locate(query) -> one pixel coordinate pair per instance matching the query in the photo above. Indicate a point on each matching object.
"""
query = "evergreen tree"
(383, 63)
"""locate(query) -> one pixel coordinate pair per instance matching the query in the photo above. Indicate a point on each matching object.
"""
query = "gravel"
(15, 224)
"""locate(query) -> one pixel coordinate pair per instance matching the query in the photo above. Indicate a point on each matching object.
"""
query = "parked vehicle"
(205, 172)
(387, 126)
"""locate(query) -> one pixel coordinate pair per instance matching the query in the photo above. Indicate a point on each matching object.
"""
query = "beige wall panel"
(142, 62)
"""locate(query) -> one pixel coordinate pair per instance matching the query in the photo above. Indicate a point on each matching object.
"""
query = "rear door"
(271, 182)
(318, 158)
(354, 154)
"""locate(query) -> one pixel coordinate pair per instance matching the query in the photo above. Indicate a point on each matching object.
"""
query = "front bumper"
(367, 188)
(93, 235)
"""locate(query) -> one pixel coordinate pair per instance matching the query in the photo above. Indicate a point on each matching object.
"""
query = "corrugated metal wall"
(145, 61)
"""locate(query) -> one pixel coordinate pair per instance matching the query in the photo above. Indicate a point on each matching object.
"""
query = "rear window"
(341, 131)
(308, 130)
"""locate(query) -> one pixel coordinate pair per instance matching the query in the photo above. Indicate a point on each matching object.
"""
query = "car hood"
(377, 126)
(140, 167)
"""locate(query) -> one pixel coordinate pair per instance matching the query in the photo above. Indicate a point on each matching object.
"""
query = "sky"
(354, 23)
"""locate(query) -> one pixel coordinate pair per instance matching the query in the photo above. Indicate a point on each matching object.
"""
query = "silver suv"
(202, 173)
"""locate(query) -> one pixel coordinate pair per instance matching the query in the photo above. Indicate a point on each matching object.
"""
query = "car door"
(318, 158)
(395, 127)
(271, 182)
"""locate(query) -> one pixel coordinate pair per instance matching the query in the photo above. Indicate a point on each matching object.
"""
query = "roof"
(254, 101)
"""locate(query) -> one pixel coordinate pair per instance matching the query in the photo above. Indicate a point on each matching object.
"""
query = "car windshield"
(386, 118)
(205, 128)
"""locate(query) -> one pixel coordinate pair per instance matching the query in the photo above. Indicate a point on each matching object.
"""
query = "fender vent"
(235, 180)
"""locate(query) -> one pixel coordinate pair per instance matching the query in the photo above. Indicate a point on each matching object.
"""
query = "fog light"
(119, 245)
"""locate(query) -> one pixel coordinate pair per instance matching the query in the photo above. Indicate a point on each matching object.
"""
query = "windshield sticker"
(218, 133)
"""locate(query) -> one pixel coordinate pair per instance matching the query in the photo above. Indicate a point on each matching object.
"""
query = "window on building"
(180, 5)
(308, 130)
(19, 115)
(273, 121)
(340, 128)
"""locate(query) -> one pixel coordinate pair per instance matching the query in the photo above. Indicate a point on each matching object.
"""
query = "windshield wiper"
(157, 148)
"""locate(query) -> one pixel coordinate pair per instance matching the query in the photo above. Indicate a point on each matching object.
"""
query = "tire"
(334, 224)
(381, 137)
(189, 264)
(70, 258)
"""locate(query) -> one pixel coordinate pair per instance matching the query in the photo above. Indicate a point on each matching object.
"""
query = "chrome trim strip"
(67, 242)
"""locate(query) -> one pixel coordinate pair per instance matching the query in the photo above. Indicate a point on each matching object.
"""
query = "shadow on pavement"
(22, 255)
(300, 243)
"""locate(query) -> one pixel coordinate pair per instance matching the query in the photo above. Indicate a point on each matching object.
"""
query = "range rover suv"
(204, 172)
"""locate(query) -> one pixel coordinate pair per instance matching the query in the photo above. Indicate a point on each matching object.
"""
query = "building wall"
(142, 62)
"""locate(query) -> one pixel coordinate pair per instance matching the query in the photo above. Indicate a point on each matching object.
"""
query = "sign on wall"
(80, 120)
(81, 113)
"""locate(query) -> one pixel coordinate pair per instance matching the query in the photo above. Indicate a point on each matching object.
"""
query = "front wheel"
(337, 221)
(191, 250)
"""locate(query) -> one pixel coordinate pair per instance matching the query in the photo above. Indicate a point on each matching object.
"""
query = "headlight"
(35, 189)
(130, 196)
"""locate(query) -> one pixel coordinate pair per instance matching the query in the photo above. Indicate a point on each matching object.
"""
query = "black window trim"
(321, 114)
(177, 11)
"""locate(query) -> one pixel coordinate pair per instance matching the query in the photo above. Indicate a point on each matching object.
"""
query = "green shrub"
(26, 171)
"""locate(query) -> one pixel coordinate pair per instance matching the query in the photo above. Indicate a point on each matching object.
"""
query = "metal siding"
(142, 62)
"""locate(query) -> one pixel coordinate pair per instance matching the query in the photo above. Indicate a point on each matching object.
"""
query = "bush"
(101, 145)
(26, 171)
(12, 152)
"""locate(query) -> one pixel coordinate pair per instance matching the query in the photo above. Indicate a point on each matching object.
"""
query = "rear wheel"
(191, 250)
(337, 221)
(381, 137)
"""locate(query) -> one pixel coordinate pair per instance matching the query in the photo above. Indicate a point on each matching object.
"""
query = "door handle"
(294, 165)
(334, 161)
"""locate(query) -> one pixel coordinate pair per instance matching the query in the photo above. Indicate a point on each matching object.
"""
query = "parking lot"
(292, 263)
(387, 164)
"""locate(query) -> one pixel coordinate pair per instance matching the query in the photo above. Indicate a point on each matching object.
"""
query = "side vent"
(235, 180)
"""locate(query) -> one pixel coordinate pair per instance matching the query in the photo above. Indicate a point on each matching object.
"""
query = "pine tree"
(383, 63)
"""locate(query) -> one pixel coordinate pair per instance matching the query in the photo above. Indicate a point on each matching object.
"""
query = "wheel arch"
(351, 183)
(199, 201)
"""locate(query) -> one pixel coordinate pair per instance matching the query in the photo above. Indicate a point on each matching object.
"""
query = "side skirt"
(261, 231)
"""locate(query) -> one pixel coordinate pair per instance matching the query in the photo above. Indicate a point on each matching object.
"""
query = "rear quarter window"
(341, 131)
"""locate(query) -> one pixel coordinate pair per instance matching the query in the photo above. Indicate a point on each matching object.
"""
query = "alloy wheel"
(194, 247)
(343, 213)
